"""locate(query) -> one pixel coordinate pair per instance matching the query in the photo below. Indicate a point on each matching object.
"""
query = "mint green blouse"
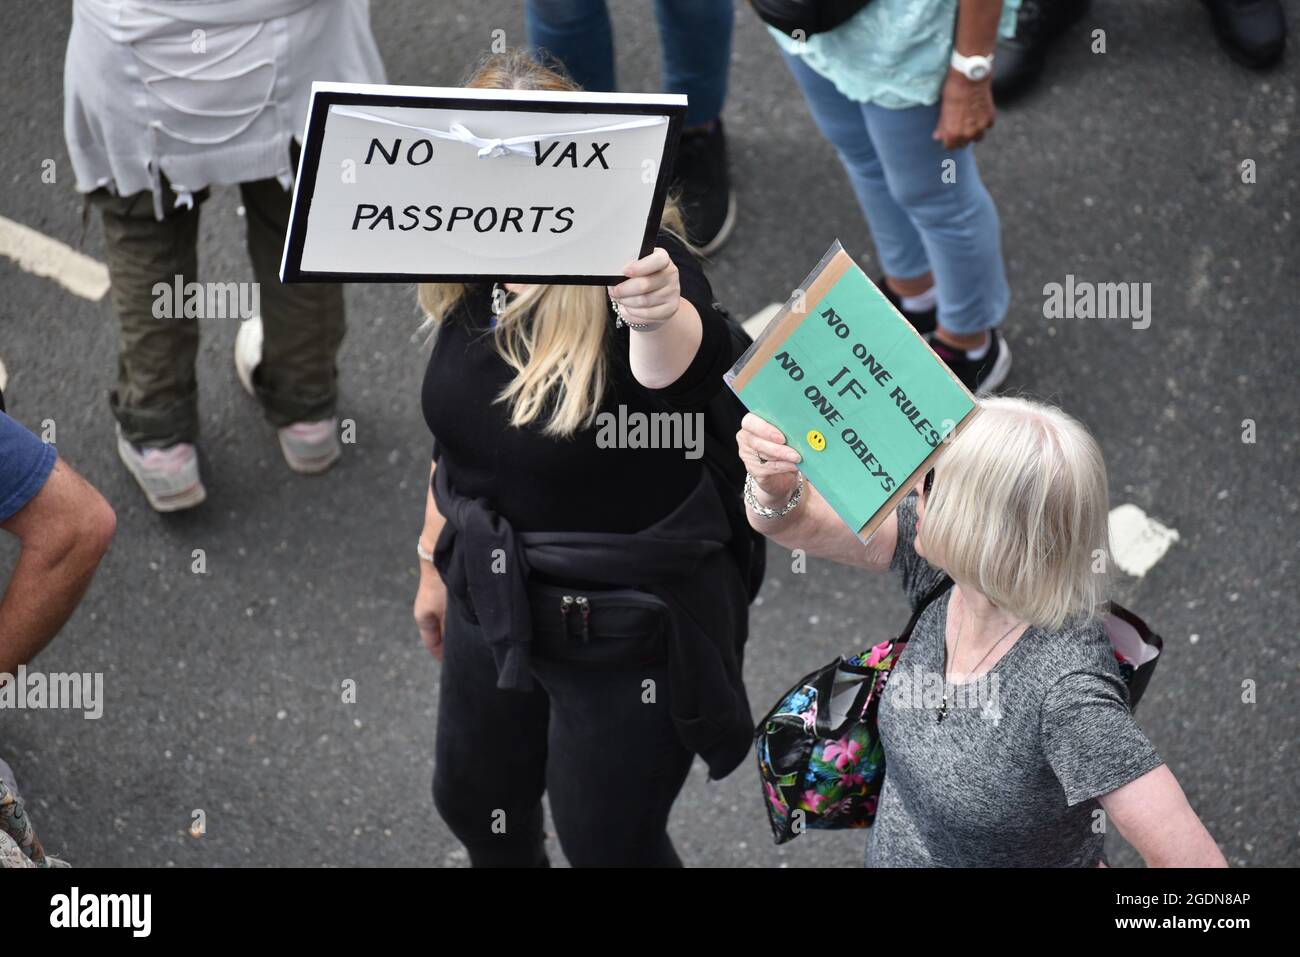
(893, 53)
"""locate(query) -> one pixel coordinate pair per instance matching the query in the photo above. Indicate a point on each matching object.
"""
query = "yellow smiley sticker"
(816, 440)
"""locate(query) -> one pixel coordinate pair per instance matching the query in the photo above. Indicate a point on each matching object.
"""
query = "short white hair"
(1019, 509)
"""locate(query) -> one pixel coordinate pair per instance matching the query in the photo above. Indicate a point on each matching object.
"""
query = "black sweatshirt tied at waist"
(682, 559)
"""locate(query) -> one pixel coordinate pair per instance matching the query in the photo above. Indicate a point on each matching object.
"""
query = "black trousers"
(599, 741)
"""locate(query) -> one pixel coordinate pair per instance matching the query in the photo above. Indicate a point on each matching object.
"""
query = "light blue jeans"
(695, 36)
(919, 222)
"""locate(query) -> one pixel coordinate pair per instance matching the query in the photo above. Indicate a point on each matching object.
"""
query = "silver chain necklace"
(943, 707)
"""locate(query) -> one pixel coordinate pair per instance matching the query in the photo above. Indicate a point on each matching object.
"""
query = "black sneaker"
(704, 189)
(981, 376)
(1252, 31)
(1019, 59)
(922, 322)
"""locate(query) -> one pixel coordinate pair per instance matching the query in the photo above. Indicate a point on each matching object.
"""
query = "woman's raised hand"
(652, 292)
(766, 456)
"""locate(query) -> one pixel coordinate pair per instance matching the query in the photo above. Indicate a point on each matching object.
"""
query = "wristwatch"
(974, 68)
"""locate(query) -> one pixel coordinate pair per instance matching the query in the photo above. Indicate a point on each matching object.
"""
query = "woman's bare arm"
(812, 525)
(1153, 815)
(651, 297)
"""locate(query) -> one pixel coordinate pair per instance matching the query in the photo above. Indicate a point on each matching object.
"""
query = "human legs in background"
(899, 248)
(929, 214)
(615, 764)
(489, 768)
(579, 35)
(695, 37)
(155, 396)
(941, 192)
(155, 399)
(611, 762)
(1253, 32)
(294, 373)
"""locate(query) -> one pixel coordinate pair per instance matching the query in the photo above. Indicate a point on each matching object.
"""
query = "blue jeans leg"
(957, 219)
(695, 36)
(899, 248)
(696, 39)
(919, 222)
(577, 33)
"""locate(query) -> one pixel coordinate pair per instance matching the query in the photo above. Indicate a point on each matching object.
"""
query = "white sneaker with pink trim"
(168, 477)
(308, 447)
(311, 447)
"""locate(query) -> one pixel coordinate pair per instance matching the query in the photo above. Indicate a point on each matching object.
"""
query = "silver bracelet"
(423, 552)
(620, 319)
(762, 510)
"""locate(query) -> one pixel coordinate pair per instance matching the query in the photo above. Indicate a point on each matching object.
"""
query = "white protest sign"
(402, 183)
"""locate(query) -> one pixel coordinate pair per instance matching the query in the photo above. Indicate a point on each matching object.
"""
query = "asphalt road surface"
(223, 689)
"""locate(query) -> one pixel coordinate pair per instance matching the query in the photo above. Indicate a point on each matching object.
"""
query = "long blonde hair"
(553, 337)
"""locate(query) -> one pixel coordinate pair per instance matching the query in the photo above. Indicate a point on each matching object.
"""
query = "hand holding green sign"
(856, 390)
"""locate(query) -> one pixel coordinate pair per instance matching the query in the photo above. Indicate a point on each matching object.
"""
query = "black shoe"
(1252, 31)
(1019, 59)
(701, 181)
(922, 322)
(981, 376)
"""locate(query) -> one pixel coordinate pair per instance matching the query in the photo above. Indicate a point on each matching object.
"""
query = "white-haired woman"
(1032, 732)
(580, 590)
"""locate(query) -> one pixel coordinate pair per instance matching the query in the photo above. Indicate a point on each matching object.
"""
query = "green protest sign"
(854, 388)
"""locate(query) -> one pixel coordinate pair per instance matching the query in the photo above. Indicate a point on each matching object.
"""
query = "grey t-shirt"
(1010, 777)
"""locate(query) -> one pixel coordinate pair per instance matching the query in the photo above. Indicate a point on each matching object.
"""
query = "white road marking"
(4, 376)
(1138, 541)
(43, 256)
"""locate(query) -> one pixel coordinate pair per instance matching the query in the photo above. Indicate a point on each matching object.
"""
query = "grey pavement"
(224, 689)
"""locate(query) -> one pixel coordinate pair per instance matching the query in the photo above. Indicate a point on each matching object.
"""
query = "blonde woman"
(576, 585)
(1031, 733)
